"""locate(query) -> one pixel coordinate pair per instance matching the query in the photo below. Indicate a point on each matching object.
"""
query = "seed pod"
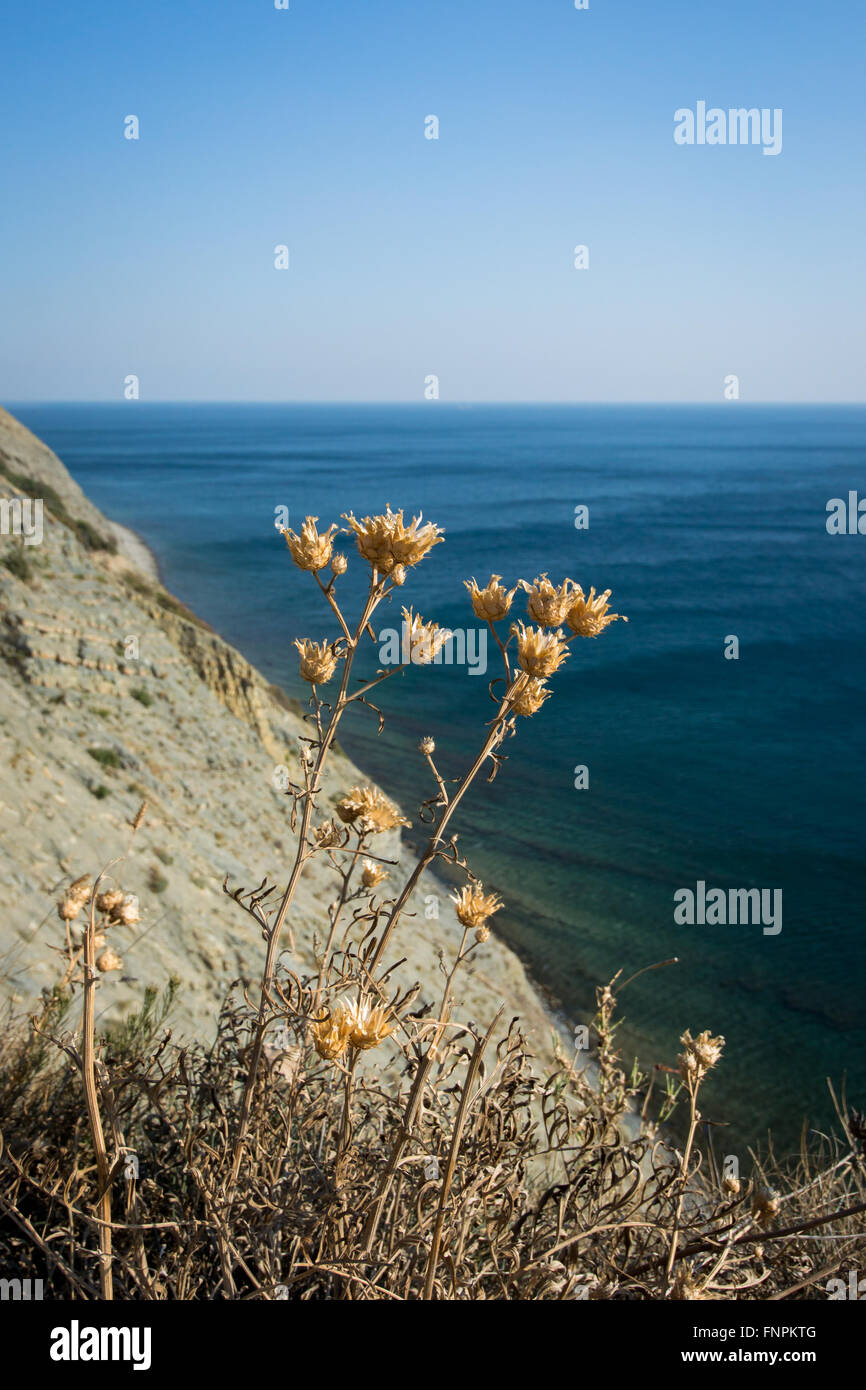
(109, 960)
(107, 902)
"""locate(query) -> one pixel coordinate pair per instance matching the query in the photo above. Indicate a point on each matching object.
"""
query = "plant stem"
(684, 1169)
(88, 1068)
(301, 857)
(435, 840)
(457, 1135)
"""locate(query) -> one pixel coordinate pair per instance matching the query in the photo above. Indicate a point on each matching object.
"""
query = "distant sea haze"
(718, 738)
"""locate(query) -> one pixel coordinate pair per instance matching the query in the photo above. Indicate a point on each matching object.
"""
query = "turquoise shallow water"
(705, 522)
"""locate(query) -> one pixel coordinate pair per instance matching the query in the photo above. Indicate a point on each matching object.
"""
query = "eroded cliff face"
(22, 453)
(113, 693)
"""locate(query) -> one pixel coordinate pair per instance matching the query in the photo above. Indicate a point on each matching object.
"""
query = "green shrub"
(156, 882)
(106, 757)
(17, 563)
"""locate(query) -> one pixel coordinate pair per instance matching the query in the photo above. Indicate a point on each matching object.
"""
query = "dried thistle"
(766, 1205)
(474, 907)
(425, 639)
(310, 550)
(539, 653)
(385, 541)
(110, 901)
(331, 1035)
(700, 1055)
(490, 604)
(367, 1024)
(369, 810)
(109, 960)
(548, 605)
(80, 890)
(588, 615)
(326, 835)
(372, 874)
(529, 695)
(74, 898)
(318, 660)
(126, 912)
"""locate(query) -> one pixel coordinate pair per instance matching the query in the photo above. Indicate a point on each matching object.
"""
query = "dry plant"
(337, 1140)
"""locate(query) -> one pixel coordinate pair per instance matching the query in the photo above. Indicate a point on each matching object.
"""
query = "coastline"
(134, 549)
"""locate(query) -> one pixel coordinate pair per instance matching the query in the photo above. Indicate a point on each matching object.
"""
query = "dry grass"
(338, 1142)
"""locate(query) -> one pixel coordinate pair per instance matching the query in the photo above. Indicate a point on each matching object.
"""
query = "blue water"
(705, 522)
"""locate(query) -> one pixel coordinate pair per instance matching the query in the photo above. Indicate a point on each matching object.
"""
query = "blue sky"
(411, 257)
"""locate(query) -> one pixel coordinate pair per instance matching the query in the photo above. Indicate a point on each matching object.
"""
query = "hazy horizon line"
(432, 405)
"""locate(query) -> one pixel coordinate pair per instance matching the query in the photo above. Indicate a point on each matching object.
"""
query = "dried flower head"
(318, 661)
(74, 899)
(424, 640)
(386, 541)
(310, 550)
(369, 810)
(331, 1035)
(492, 603)
(540, 653)
(427, 746)
(482, 934)
(107, 902)
(546, 604)
(80, 890)
(588, 615)
(372, 874)
(701, 1053)
(339, 564)
(109, 960)
(326, 835)
(473, 906)
(367, 1024)
(529, 695)
(731, 1186)
(126, 913)
(766, 1205)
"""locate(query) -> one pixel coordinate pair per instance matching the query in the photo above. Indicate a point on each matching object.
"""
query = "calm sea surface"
(706, 522)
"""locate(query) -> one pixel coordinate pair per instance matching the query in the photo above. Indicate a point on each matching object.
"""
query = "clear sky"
(411, 257)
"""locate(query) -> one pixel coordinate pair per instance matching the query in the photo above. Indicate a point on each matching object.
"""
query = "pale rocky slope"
(192, 728)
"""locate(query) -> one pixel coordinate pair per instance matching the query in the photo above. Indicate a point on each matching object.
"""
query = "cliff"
(112, 692)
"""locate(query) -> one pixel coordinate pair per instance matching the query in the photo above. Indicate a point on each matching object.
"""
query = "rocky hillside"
(112, 693)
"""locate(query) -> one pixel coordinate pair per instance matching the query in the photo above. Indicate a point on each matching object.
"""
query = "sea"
(717, 739)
